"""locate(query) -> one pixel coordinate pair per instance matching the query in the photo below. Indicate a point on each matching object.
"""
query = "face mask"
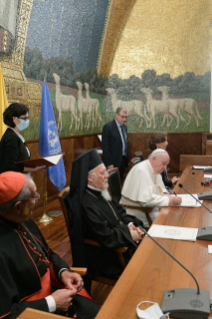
(23, 125)
(153, 312)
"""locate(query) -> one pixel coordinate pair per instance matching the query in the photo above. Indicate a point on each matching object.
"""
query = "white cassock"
(143, 187)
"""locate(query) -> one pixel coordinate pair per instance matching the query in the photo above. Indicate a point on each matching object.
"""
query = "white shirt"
(144, 187)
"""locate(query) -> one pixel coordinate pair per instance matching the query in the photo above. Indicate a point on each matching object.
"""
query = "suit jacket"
(167, 182)
(12, 150)
(112, 145)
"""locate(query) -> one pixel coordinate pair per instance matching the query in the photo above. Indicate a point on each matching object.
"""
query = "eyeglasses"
(23, 118)
(123, 117)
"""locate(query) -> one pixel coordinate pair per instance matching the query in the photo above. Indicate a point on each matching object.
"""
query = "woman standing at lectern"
(12, 145)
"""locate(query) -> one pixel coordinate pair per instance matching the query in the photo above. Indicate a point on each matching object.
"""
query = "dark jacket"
(167, 182)
(12, 150)
(109, 230)
(112, 145)
(21, 270)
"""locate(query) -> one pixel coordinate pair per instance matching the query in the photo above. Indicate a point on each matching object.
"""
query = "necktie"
(124, 139)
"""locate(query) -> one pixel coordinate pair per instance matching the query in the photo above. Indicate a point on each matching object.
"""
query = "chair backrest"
(74, 227)
(114, 183)
(62, 198)
(139, 154)
(135, 160)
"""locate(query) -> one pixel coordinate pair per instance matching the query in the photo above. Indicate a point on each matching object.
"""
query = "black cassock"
(107, 223)
(21, 269)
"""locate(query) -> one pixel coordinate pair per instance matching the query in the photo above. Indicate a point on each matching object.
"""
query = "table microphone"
(209, 168)
(197, 179)
(184, 303)
(204, 233)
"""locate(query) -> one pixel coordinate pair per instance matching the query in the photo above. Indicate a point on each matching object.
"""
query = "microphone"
(209, 168)
(204, 233)
(196, 179)
(182, 302)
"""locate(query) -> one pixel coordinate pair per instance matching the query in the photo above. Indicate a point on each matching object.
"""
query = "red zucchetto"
(11, 183)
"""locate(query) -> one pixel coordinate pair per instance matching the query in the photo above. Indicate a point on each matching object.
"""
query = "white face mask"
(152, 312)
(23, 125)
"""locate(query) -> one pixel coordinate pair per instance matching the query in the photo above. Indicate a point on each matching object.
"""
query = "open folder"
(47, 161)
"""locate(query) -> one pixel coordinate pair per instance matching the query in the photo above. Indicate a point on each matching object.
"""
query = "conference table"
(151, 271)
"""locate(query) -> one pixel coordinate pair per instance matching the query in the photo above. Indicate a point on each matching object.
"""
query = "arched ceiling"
(168, 36)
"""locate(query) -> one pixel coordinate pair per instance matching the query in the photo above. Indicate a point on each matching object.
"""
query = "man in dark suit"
(115, 142)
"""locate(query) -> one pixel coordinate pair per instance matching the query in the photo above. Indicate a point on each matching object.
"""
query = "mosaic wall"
(153, 57)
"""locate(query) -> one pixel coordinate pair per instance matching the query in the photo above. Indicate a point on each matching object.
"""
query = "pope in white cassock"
(144, 187)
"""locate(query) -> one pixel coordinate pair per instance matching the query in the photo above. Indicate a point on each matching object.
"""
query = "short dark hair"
(15, 109)
(156, 138)
(121, 108)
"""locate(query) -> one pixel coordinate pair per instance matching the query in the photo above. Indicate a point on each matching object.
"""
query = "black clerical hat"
(80, 168)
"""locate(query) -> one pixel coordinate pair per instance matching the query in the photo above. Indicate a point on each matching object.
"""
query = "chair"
(145, 210)
(62, 197)
(139, 154)
(114, 183)
(115, 191)
(134, 161)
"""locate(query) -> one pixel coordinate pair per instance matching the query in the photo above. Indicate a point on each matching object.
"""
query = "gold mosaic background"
(168, 36)
(18, 88)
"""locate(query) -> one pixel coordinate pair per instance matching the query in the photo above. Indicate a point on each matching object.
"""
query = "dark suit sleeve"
(108, 236)
(126, 217)
(12, 148)
(106, 140)
(167, 182)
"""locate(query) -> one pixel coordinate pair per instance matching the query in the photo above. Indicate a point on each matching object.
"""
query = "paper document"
(54, 159)
(208, 176)
(47, 161)
(172, 232)
(188, 200)
(210, 249)
(100, 137)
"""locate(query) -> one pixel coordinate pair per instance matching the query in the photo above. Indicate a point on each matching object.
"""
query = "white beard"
(106, 194)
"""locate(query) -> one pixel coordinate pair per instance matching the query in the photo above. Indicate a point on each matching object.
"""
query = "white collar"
(150, 168)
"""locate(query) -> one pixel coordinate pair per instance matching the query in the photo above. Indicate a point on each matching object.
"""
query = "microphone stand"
(44, 218)
(184, 303)
(209, 168)
(204, 195)
(204, 233)
(197, 179)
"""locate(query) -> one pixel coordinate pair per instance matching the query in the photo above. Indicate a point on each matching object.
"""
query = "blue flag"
(49, 142)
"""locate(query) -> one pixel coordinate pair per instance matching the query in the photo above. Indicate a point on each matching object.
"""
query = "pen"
(175, 194)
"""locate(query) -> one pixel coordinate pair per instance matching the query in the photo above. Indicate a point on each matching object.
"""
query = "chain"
(114, 213)
(35, 242)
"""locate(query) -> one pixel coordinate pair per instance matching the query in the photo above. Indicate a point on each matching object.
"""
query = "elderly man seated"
(103, 219)
(29, 267)
(144, 187)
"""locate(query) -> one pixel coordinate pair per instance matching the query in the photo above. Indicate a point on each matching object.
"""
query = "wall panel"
(73, 146)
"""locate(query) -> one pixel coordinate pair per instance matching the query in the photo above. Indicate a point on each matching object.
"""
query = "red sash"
(46, 281)
(45, 288)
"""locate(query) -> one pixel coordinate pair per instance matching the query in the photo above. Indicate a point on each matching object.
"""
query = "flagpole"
(45, 218)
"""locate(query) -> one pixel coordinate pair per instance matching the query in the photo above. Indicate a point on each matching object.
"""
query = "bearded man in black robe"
(102, 219)
(31, 274)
